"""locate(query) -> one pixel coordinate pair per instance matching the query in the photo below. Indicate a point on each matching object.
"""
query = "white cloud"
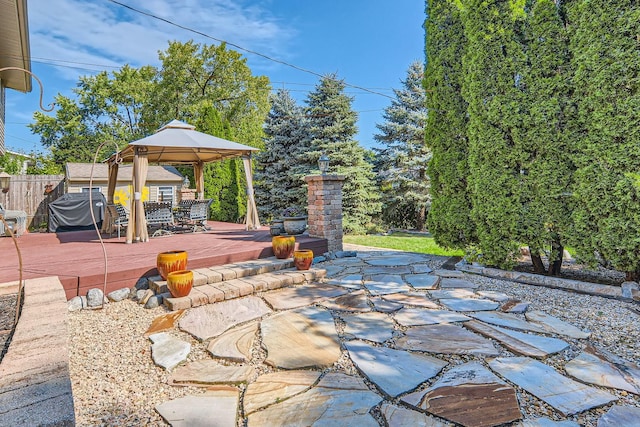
(107, 34)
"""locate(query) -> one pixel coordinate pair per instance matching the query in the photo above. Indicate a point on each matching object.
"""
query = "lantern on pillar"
(323, 164)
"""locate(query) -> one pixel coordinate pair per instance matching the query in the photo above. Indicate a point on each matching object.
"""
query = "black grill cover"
(71, 212)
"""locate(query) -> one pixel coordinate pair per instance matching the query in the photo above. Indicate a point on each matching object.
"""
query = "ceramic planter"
(167, 262)
(283, 246)
(180, 283)
(303, 259)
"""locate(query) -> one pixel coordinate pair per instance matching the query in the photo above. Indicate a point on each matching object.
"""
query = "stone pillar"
(325, 208)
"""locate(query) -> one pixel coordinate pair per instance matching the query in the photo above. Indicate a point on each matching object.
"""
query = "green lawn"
(402, 241)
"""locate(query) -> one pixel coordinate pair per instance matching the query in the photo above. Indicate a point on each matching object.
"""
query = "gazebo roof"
(179, 143)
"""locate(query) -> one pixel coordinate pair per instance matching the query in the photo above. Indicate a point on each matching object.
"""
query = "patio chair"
(159, 214)
(122, 219)
(193, 214)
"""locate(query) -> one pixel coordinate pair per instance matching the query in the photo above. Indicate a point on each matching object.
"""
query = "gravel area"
(115, 381)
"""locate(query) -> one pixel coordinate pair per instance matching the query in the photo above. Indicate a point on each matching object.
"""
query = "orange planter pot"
(283, 246)
(303, 259)
(180, 283)
(167, 262)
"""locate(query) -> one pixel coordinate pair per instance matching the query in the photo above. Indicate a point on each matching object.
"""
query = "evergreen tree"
(546, 137)
(280, 169)
(402, 164)
(492, 86)
(605, 48)
(332, 126)
(446, 131)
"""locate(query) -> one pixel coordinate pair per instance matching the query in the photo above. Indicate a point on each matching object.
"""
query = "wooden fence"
(32, 194)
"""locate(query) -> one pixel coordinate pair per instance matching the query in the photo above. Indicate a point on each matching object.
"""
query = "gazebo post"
(198, 175)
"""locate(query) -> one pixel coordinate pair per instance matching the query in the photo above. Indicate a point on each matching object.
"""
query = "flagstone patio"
(338, 353)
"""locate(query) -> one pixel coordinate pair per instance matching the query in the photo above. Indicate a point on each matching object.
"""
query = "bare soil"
(7, 320)
(574, 271)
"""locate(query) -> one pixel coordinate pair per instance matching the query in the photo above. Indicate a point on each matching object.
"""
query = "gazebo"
(177, 143)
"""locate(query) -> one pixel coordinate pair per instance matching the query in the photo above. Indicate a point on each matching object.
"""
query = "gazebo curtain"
(137, 229)
(107, 224)
(252, 220)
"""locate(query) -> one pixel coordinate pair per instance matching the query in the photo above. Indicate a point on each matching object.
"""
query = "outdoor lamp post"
(323, 164)
(5, 178)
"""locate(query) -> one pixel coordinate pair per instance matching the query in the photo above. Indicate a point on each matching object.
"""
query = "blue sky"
(368, 43)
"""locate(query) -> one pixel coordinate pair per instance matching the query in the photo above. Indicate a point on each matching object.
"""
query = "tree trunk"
(421, 217)
(556, 255)
(632, 276)
(536, 260)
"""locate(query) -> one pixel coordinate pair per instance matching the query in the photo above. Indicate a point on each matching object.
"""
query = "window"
(165, 194)
(94, 189)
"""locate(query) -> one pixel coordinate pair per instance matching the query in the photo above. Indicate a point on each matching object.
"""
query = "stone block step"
(230, 281)
(226, 272)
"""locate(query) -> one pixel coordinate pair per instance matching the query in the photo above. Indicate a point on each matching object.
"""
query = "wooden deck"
(76, 257)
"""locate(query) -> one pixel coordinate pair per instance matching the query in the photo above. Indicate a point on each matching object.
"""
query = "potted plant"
(295, 220)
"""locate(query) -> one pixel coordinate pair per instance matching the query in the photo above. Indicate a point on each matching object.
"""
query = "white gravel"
(116, 383)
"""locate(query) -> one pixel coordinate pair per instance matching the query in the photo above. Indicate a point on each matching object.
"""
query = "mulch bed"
(575, 271)
(7, 319)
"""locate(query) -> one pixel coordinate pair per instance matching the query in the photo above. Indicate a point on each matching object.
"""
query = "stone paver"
(421, 268)
(591, 368)
(423, 281)
(377, 327)
(164, 322)
(450, 282)
(453, 293)
(381, 284)
(411, 298)
(354, 302)
(167, 351)
(277, 386)
(469, 304)
(445, 339)
(204, 373)
(235, 344)
(385, 306)
(507, 320)
(395, 260)
(397, 416)
(563, 394)
(393, 371)
(300, 296)
(555, 325)
(351, 281)
(454, 274)
(302, 338)
(618, 416)
(470, 395)
(494, 295)
(368, 271)
(519, 342)
(546, 422)
(211, 320)
(338, 399)
(420, 316)
(215, 408)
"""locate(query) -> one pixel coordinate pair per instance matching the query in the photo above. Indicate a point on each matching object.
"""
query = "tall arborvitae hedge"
(553, 128)
(492, 86)
(547, 135)
(605, 44)
(446, 131)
